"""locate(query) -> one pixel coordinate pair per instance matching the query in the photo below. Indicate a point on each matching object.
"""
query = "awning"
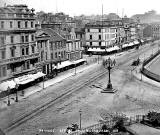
(131, 44)
(112, 49)
(4, 85)
(125, 45)
(78, 61)
(38, 75)
(96, 50)
(136, 42)
(24, 79)
(64, 64)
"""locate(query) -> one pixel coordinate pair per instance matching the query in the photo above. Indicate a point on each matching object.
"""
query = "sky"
(89, 7)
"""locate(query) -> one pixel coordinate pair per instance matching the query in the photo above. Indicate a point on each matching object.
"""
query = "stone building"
(18, 49)
(52, 49)
(152, 31)
(100, 35)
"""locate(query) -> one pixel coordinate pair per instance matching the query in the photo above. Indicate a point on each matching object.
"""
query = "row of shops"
(115, 48)
(33, 78)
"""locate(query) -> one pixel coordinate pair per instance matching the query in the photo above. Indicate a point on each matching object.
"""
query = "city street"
(83, 92)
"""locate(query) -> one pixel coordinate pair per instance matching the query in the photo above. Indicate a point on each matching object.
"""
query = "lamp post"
(8, 91)
(16, 92)
(80, 114)
(109, 64)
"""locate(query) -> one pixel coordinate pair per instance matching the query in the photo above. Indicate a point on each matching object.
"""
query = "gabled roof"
(54, 36)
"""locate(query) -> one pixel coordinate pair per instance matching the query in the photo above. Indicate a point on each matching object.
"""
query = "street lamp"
(80, 113)
(8, 91)
(109, 64)
(16, 92)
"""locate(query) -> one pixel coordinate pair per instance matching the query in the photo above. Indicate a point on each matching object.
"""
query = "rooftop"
(54, 36)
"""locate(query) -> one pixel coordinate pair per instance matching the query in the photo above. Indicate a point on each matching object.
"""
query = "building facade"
(73, 47)
(18, 46)
(152, 31)
(52, 49)
(100, 36)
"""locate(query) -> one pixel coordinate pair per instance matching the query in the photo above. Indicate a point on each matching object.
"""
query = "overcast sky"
(88, 7)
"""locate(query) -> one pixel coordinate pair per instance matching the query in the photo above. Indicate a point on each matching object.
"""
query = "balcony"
(19, 59)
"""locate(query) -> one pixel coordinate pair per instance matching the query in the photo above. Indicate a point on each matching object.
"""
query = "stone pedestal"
(109, 89)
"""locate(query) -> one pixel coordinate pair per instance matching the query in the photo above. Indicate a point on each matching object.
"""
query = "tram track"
(68, 91)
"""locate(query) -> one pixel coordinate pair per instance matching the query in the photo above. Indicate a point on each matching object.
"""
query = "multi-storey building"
(152, 31)
(73, 47)
(18, 49)
(52, 49)
(80, 34)
(100, 35)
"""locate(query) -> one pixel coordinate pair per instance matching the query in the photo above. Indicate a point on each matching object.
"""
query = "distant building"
(100, 35)
(152, 30)
(18, 49)
(80, 34)
(73, 46)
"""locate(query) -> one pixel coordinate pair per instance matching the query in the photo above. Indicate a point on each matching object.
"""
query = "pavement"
(91, 62)
(91, 101)
(141, 129)
(136, 71)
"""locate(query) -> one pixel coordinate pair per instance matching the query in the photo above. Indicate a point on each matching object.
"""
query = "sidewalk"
(136, 72)
(144, 130)
(39, 86)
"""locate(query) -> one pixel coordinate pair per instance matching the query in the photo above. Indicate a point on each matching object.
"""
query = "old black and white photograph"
(79, 67)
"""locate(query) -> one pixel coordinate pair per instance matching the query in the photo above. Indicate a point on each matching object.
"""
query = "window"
(55, 46)
(56, 55)
(99, 30)
(99, 37)
(2, 41)
(31, 24)
(3, 54)
(88, 30)
(26, 37)
(41, 56)
(62, 54)
(51, 55)
(12, 39)
(27, 50)
(11, 24)
(99, 43)
(33, 49)
(19, 24)
(32, 37)
(22, 39)
(4, 71)
(90, 36)
(12, 52)
(27, 65)
(90, 43)
(46, 55)
(26, 24)
(23, 51)
(2, 24)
